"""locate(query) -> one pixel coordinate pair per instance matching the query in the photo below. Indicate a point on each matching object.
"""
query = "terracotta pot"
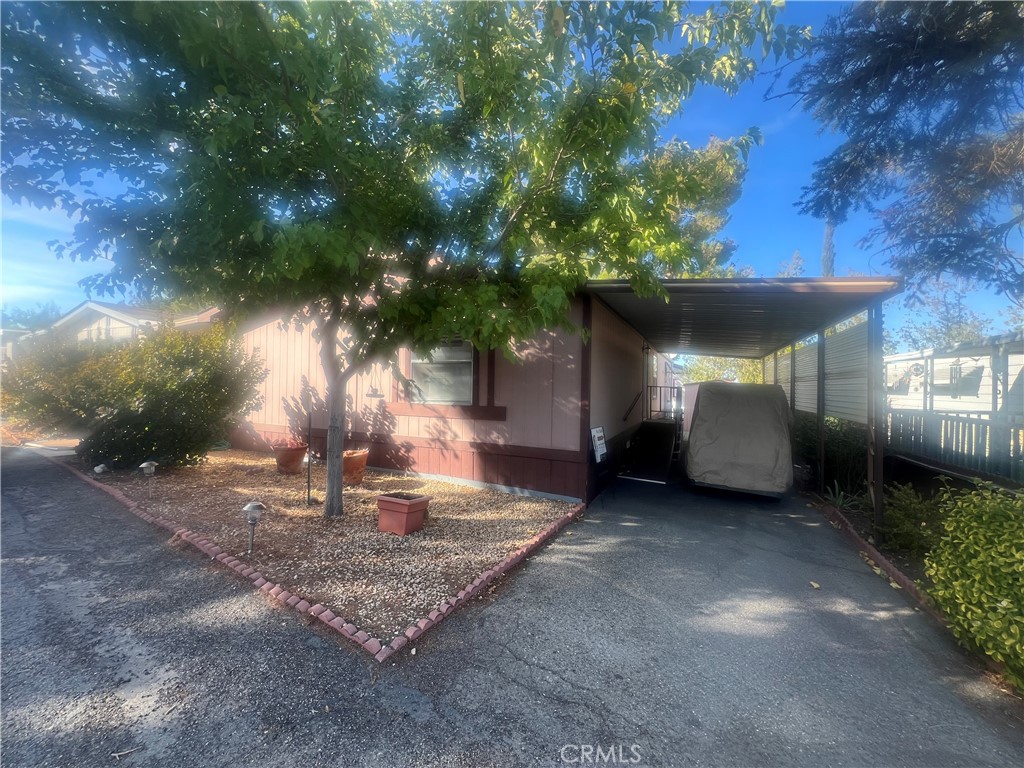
(353, 466)
(401, 513)
(289, 458)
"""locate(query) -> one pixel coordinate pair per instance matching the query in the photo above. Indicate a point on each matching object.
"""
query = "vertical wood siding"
(616, 372)
(535, 446)
(541, 390)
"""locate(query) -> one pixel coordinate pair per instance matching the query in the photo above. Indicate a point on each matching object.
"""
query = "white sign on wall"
(600, 449)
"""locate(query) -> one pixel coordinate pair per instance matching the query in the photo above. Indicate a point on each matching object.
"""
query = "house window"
(445, 376)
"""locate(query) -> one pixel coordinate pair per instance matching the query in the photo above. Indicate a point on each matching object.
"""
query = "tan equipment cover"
(739, 438)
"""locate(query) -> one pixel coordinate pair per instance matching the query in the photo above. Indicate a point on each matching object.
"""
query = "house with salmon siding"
(529, 420)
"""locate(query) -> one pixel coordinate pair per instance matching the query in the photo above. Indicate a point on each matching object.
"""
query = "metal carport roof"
(741, 317)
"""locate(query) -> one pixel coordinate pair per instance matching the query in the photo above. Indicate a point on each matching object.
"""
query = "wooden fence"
(968, 443)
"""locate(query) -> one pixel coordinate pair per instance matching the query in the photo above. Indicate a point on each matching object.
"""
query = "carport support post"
(645, 387)
(792, 379)
(821, 411)
(875, 414)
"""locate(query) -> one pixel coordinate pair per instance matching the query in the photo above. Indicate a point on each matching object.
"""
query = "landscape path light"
(148, 469)
(253, 511)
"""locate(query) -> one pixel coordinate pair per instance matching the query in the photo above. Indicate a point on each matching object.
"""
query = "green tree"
(928, 96)
(31, 318)
(695, 368)
(1012, 318)
(395, 173)
(792, 268)
(944, 319)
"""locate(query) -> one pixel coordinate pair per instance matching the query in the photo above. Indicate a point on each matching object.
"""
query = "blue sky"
(764, 222)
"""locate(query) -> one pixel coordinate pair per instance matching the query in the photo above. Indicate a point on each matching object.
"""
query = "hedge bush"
(167, 396)
(913, 523)
(977, 569)
(55, 385)
(846, 446)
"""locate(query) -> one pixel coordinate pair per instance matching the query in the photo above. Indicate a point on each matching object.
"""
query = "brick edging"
(838, 519)
(478, 585)
(291, 599)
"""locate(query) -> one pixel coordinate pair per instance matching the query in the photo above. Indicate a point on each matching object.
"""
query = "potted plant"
(401, 513)
(354, 465)
(289, 455)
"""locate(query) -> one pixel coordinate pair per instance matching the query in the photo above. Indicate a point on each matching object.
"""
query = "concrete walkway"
(668, 629)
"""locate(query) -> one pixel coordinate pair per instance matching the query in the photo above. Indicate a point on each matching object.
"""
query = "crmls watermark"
(599, 754)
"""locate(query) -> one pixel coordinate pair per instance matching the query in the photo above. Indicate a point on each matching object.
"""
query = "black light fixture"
(374, 390)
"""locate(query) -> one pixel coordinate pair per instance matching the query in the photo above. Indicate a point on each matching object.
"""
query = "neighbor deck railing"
(990, 446)
(664, 402)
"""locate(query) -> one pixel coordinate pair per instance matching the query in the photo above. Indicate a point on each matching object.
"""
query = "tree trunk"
(828, 251)
(337, 384)
(334, 504)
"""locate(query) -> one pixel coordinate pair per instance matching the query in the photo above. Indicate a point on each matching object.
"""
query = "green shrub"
(167, 396)
(912, 523)
(977, 569)
(846, 446)
(54, 385)
(841, 499)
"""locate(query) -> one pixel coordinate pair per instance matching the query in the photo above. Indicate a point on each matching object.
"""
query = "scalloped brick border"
(483, 581)
(291, 599)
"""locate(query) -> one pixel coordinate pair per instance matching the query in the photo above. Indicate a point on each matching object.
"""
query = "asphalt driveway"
(667, 629)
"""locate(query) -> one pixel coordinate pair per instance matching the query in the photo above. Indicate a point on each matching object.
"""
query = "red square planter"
(401, 513)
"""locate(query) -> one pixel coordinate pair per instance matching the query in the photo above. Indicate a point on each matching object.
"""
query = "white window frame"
(422, 365)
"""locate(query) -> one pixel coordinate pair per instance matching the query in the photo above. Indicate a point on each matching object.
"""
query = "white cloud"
(780, 122)
(52, 222)
(31, 273)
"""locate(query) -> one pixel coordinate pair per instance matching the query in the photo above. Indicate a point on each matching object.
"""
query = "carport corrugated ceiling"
(745, 317)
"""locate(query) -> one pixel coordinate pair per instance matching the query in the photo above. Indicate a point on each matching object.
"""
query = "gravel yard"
(378, 581)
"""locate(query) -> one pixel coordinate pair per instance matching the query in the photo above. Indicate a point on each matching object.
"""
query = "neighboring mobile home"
(961, 409)
(526, 424)
(97, 321)
(9, 338)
